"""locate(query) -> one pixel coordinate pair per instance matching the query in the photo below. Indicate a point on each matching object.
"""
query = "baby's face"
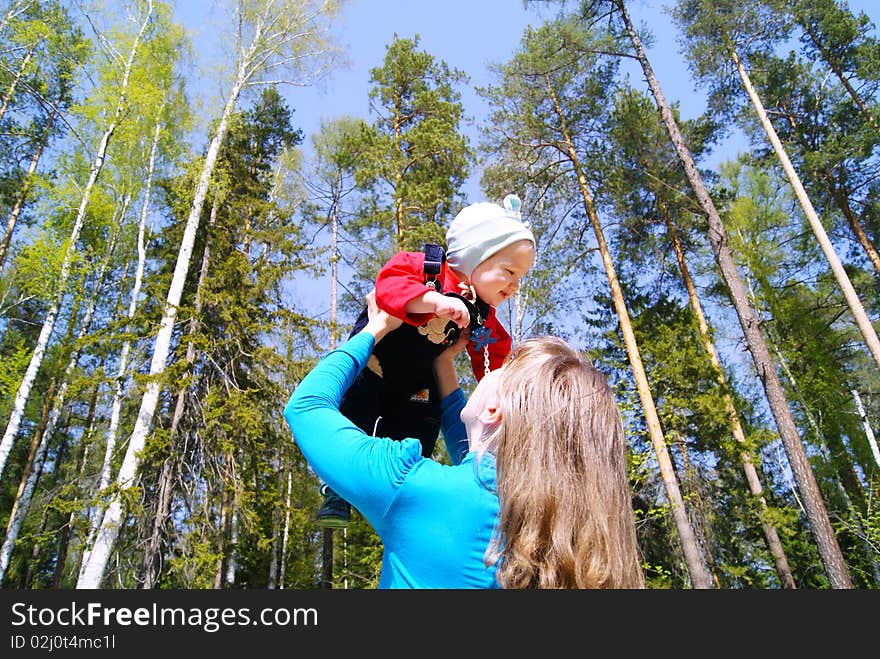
(497, 278)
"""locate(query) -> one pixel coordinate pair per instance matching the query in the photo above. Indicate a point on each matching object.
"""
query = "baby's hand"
(452, 309)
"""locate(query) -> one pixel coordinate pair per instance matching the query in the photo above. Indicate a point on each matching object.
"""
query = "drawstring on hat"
(513, 205)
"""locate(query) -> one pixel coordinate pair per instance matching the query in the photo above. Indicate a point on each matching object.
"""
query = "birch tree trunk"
(697, 569)
(122, 367)
(233, 539)
(327, 545)
(7, 98)
(132, 304)
(93, 568)
(820, 524)
(22, 502)
(281, 36)
(152, 551)
(273, 554)
(852, 299)
(866, 423)
(286, 533)
(24, 389)
(17, 7)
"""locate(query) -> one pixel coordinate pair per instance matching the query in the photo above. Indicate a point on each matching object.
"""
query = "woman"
(537, 496)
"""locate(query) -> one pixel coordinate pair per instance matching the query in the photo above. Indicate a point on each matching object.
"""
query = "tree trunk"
(7, 98)
(327, 559)
(831, 61)
(64, 539)
(24, 389)
(691, 487)
(846, 481)
(774, 544)
(286, 532)
(25, 190)
(854, 224)
(231, 561)
(852, 299)
(93, 569)
(29, 467)
(327, 534)
(276, 523)
(118, 395)
(820, 524)
(27, 576)
(866, 423)
(222, 530)
(152, 551)
(699, 573)
(842, 201)
(334, 266)
(30, 476)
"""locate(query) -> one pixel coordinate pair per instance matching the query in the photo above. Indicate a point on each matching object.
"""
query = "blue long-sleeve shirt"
(435, 520)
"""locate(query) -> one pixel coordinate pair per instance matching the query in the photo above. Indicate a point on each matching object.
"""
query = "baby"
(437, 295)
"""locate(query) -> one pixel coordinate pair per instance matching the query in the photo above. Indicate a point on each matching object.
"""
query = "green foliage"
(866, 526)
(241, 492)
(13, 363)
(195, 564)
(713, 31)
(805, 322)
(412, 159)
(37, 267)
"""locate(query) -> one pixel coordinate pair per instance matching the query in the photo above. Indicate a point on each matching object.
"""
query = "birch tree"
(330, 186)
(23, 499)
(110, 436)
(272, 44)
(116, 112)
(41, 89)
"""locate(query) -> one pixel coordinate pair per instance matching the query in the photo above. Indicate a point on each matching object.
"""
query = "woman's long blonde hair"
(566, 516)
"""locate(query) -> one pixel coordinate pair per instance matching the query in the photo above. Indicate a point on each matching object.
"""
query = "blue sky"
(467, 35)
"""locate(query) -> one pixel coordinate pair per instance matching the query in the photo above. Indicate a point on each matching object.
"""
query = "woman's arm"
(452, 400)
(364, 470)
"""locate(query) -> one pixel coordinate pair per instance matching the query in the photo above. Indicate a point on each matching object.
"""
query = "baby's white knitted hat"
(483, 229)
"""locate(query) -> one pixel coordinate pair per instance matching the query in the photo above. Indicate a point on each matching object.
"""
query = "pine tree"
(556, 65)
(821, 525)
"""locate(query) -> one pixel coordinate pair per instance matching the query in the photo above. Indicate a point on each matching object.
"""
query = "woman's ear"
(491, 415)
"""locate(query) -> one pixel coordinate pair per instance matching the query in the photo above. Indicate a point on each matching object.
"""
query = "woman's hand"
(444, 365)
(380, 322)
